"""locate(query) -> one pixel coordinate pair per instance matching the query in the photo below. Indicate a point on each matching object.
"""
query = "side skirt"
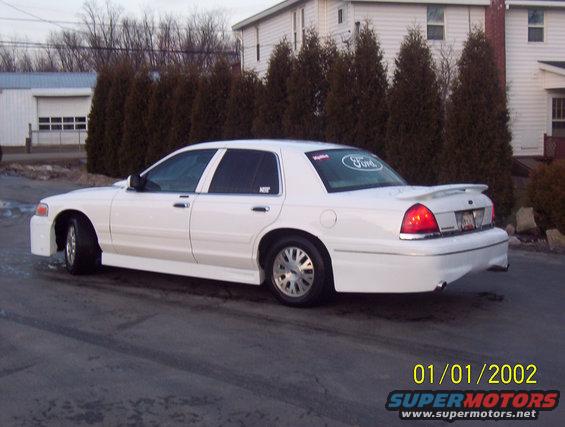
(250, 277)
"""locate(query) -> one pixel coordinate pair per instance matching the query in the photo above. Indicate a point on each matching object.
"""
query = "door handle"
(181, 205)
(260, 209)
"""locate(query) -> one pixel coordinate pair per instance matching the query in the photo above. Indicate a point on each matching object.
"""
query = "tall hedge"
(341, 103)
(271, 102)
(209, 111)
(183, 102)
(307, 89)
(477, 133)
(369, 90)
(414, 130)
(241, 106)
(135, 139)
(97, 123)
(113, 132)
(159, 116)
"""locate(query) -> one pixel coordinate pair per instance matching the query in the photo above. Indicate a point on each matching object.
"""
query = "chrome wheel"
(293, 272)
(71, 247)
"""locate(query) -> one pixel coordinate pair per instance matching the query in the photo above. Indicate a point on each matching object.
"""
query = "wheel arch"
(61, 222)
(270, 237)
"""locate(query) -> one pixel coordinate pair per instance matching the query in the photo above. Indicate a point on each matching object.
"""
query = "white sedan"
(308, 217)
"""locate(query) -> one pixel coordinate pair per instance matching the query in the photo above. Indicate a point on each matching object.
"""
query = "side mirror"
(136, 182)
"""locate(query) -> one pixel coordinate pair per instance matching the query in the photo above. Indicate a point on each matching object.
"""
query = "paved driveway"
(127, 347)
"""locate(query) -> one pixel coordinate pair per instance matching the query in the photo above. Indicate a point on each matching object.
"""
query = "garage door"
(63, 113)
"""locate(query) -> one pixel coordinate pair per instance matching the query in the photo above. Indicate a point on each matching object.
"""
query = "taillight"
(42, 210)
(419, 220)
(492, 215)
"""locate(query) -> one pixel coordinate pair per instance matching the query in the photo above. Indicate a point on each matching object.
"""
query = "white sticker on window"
(318, 157)
(361, 162)
(264, 190)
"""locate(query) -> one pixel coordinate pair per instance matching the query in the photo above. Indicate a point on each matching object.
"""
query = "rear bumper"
(42, 236)
(418, 266)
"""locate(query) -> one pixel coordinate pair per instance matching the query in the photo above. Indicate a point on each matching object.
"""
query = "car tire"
(297, 272)
(82, 252)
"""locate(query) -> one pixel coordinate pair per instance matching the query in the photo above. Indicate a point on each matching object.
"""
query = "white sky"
(69, 10)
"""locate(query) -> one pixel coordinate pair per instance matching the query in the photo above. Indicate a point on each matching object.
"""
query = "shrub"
(159, 116)
(370, 89)
(241, 106)
(477, 134)
(135, 139)
(271, 102)
(183, 102)
(209, 111)
(414, 131)
(307, 89)
(341, 103)
(97, 123)
(113, 131)
(546, 192)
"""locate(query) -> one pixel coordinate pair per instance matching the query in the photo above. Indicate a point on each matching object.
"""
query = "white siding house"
(56, 105)
(533, 70)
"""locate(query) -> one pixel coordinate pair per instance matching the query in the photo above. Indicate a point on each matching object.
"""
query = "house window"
(258, 46)
(436, 27)
(340, 16)
(62, 123)
(294, 30)
(535, 25)
(558, 117)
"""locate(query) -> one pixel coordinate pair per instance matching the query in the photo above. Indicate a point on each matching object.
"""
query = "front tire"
(82, 253)
(297, 272)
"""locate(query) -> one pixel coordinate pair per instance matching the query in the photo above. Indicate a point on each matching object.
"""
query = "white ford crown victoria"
(308, 217)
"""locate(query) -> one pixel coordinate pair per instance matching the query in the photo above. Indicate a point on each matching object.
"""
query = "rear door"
(245, 196)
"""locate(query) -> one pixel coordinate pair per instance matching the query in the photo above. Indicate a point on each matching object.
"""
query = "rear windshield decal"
(361, 162)
(319, 157)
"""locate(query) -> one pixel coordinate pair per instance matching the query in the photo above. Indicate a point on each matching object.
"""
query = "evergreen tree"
(414, 131)
(370, 88)
(183, 102)
(307, 89)
(159, 116)
(115, 108)
(209, 111)
(241, 106)
(97, 123)
(477, 135)
(272, 99)
(135, 140)
(341, 103)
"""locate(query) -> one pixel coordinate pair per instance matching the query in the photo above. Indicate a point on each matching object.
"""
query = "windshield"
(350, 169)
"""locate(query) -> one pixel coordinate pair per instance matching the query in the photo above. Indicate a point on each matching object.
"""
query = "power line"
(35, 16)
(37, 45)
(46, 21)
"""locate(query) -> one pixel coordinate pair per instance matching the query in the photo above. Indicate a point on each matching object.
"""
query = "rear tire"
(297, 271)
(82, 253)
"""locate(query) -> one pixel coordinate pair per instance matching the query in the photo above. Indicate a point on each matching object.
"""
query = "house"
(528, 37)
(52, 108)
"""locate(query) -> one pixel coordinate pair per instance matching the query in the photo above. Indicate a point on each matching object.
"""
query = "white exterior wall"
(18, 107)
(271, 31)
(392, 20)
(529, 102)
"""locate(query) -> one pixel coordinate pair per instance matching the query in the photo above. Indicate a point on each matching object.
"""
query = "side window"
(179, 174)
(246, 172)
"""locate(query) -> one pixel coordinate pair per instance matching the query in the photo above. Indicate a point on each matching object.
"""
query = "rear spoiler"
(440, 190)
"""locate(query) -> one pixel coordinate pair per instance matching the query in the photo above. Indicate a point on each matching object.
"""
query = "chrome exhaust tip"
(441, 286)
(499, 268)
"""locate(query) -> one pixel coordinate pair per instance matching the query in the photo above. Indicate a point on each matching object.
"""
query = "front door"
(154, 223)
(244, 197)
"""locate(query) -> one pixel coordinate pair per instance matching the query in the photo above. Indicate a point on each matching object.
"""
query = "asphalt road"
(131, 348)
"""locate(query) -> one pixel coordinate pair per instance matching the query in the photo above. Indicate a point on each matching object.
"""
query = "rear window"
(349, 169)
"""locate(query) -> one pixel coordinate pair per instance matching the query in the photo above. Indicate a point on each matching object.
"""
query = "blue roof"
(47, 80)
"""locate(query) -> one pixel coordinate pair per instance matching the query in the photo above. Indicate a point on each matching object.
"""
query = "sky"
(11, 28)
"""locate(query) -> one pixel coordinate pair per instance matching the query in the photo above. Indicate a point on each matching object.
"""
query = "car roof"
(269, 144)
